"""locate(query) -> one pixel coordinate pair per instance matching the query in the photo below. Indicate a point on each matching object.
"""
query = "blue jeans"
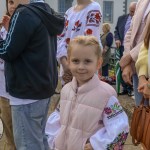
(29, 125)
(138, 96)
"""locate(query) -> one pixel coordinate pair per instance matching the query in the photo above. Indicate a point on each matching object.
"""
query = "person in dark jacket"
(29, 52)
(121, 29)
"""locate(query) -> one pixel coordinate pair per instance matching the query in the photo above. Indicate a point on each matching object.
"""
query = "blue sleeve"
(109, 39)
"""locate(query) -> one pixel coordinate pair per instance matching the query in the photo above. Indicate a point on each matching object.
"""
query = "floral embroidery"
(113, 110)
(88, 32)
(118, 143)
(67, 42)
(93, 18)
(66, 24)
(77, 26)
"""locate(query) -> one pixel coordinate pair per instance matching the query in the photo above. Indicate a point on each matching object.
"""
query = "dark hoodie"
(29, 52)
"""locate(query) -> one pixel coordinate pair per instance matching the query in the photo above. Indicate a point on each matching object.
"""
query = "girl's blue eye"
(88, 61)
(75, 60)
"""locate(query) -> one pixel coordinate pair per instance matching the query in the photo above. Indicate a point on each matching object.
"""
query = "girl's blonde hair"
(85, 41)
(106, 26)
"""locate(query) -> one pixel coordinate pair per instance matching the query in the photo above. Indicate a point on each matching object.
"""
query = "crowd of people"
(34, 39)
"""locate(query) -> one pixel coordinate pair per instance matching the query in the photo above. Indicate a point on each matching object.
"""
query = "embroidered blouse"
(112, 136)
(84, 22)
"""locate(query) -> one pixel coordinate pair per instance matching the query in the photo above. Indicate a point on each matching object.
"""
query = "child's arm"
(114, 133)
(52, 127)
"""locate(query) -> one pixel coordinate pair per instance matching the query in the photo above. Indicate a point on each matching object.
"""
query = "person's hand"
(127, 74)
(142, 82)
(125, 60)
(5, 22)
(88, 146)
(144, 87)
(118, 43)
(67, 77)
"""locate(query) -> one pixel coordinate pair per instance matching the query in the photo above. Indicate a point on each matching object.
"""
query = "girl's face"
(11, 7)
(83, 63)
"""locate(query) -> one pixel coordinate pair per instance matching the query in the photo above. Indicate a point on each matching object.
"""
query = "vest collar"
(90, 85)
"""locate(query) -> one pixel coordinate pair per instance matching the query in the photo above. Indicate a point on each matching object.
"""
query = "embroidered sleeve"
(52, 128)
(115, 131)
(93, 21)
(61, 41)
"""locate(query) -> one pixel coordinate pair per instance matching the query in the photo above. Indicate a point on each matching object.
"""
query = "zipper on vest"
(71, 114)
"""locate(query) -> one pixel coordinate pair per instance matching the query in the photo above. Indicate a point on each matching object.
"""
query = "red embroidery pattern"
(67, 42)
(89, 32)
(93, 18)
(77, 26)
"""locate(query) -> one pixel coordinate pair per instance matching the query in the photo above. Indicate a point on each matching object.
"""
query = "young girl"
(81, 19)
(90, 115)
(4, 97)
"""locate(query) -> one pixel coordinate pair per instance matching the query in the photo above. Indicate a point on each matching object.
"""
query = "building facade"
(111, 9)
(2, 8)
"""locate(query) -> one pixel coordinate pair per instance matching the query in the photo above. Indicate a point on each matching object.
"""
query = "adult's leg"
(7, 123)
(29, 125)
(105, 70)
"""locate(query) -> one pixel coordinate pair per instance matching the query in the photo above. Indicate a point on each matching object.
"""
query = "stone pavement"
(127, 104)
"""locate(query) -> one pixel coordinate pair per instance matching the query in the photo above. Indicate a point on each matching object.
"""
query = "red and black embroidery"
(88, 32)
(93, 18)
(77, 26)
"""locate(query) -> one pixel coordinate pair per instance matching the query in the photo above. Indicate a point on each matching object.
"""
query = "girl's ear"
(99, 63)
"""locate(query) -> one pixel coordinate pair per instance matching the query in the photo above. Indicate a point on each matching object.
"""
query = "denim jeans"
(138, 96)
(29, 125)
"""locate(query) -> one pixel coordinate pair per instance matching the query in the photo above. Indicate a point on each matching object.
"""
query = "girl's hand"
(5, 21)
(88, 146)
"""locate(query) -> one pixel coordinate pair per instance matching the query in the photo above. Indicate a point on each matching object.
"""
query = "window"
(108, 11)
(64, 5)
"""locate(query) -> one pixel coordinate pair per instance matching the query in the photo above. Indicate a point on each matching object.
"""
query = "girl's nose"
(81, 66)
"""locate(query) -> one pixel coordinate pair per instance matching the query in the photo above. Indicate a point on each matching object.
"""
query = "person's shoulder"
(123, 16)
(66, 87)
(69, 10)
(109, 34)
(95, 5)
(107, 89)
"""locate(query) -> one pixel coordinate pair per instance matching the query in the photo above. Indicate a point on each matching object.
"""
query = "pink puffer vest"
(81, 112)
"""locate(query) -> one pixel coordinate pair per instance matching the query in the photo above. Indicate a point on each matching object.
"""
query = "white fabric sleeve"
(52, 128)
(61, 43)
(116, 127)
(1, 65)
(94, 17)
(3, 34)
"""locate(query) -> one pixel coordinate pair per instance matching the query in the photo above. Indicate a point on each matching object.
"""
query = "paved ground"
(126, 102)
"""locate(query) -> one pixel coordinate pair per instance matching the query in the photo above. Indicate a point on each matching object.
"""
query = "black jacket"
(29, 52)
(120, 27)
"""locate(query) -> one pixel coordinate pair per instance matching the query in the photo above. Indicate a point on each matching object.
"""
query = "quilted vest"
(81, 112)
